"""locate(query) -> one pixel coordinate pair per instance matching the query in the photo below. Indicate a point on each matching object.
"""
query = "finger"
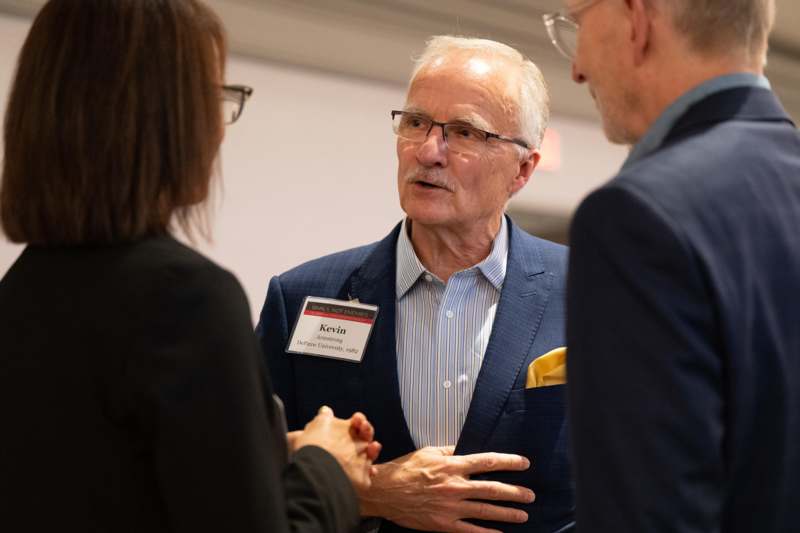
(361, 447)
(325, 410)
(494, 490)
(366, 431)
(488, 511)
(291, 437)
(361, 427)
(357, 421)
(492, 462)
(373, 449)
(358, 418)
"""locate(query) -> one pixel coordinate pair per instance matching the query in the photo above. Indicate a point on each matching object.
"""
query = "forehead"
(464, 85)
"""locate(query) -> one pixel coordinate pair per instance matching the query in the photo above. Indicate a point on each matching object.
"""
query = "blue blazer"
(684, 329)
(503, 415)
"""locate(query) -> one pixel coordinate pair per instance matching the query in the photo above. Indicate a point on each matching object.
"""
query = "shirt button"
(428, 277)
(446, 384)
(449, 314)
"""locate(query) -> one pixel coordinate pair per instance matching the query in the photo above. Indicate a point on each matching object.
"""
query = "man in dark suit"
(683, 307)
(466, 302)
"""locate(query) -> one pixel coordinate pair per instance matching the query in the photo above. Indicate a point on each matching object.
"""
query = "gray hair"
(533, 102)
(721, 26)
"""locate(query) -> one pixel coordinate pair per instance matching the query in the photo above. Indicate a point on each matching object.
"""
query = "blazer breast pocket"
(534, 424)
(550, 399)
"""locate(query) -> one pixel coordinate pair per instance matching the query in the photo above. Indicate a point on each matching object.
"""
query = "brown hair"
(114, 121)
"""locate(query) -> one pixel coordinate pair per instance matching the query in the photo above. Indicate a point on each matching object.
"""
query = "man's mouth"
(430, 180)
(428, 185)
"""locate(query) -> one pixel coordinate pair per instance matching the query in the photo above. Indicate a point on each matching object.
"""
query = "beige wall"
(309, 169)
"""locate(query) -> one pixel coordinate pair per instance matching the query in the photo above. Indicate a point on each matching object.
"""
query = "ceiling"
(376, 39)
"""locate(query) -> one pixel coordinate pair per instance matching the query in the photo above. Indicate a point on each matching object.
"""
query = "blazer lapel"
(522, 302)
(374, 283)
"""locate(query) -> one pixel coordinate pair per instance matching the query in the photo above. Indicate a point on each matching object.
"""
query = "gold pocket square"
(548, 369)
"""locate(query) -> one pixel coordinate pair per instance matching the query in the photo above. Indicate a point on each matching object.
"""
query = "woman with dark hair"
(133, 395)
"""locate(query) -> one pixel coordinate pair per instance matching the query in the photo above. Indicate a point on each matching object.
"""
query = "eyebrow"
(470, 119)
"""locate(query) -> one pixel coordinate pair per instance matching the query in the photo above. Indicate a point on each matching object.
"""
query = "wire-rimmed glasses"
(233, 99)
(458, 136)
(562, 28)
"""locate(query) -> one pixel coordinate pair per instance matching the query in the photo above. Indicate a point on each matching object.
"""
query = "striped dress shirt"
(442, 333)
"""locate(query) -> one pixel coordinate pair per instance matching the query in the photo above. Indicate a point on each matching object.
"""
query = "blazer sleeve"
(273, 335)
(204, 402)
(645, 377)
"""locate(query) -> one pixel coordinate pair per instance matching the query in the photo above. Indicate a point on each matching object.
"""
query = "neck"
(694, 70)
(444, 251)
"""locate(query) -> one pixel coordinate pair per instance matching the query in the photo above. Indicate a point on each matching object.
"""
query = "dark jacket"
(684, 329)
(133, 398)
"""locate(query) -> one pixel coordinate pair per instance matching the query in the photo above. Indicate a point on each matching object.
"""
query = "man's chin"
(427, 217)
(614, 133)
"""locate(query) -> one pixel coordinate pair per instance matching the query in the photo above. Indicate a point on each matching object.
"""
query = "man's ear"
(641, 29)
(526, 167)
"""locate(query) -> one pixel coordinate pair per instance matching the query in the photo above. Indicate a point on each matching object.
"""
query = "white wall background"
(310, 167)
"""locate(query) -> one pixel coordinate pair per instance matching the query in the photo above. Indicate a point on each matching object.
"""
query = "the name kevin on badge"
(333, 328)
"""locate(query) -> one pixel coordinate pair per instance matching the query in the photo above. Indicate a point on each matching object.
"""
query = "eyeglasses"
(562, 28)
(233, 99)
(458, 137)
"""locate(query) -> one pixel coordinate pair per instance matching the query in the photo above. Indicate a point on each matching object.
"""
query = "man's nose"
(433, 150)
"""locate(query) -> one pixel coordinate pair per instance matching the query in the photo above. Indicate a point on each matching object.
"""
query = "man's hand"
(430, 489)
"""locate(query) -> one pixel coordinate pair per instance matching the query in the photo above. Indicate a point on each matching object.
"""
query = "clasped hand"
(350, 441)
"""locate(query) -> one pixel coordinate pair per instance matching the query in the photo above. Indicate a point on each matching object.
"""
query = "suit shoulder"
(329, 269)
(553, 255)
(720, 162)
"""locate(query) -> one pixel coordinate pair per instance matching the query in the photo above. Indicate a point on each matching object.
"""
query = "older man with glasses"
(436, 332)
(684, 275)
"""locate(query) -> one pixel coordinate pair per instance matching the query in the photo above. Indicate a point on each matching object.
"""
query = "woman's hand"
(350, 441)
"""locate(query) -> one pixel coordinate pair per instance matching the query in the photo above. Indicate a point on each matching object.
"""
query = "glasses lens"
(464, 139)
(231, 107)
(563, 33)
(410, 126)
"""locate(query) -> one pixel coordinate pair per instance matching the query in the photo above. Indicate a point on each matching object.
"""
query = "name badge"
(333, 328)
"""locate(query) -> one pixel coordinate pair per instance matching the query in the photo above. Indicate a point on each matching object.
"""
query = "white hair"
(533, 102)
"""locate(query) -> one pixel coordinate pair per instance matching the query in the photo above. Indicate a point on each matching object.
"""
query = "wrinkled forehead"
(486, 84)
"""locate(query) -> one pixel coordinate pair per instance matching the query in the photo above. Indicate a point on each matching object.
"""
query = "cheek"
(406, 158)
(499, 178)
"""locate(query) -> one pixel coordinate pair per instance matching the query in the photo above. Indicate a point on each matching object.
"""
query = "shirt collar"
(410, 268)
(658, 132)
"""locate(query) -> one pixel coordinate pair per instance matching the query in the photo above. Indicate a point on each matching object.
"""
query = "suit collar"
(742, 103)
(380, 263)
(658, 133)
(374, 283)
(525, 294)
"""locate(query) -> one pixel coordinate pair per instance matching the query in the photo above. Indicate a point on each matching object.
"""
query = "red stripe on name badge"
(339, 317)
